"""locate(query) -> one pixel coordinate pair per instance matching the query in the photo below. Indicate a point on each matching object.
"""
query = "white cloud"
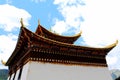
(7, 45)
(62, 26)
(9, 20)
(101, 20)
(10, 17)
(113, 58)
(71, 11)
(101, 25)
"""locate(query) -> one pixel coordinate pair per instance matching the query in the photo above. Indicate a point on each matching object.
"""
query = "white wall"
(16, 76)
(12, 77)
(47, 71)
(25, 72)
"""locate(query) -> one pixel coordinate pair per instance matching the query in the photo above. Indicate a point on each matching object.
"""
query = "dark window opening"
(19, 76)
(14, 76)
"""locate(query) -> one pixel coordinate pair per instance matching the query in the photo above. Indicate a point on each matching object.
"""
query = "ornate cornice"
(35, 47)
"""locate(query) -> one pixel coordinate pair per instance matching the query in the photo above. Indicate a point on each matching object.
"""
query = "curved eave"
(106, 48)
(46, 32)
(112, 45)
(57, 43)
(17, 47)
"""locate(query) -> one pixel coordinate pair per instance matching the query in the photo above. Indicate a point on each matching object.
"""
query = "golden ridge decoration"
(38, 22)
(21, 21)
(3, 62)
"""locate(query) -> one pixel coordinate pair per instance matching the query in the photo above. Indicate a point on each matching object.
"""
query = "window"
(19, 76)
(14, 76)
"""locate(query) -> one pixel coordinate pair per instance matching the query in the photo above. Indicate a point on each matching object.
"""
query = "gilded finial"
(38, 22)
(21, 21)
(112, 45)
(3, 62)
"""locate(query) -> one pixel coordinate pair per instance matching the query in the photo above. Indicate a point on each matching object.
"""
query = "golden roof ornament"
(21, 21)
(114, 44)
(3, 62)
(38, 22)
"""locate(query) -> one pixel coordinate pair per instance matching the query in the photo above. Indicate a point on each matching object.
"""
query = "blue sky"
(98, 21)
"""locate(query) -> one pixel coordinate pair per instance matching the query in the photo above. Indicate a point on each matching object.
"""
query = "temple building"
(43, 55)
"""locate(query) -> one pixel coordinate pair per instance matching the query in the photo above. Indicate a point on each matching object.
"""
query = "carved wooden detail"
(41, 48)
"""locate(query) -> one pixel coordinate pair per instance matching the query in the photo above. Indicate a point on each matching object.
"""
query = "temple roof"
(29, 41)
(53, 36)
(44, 46)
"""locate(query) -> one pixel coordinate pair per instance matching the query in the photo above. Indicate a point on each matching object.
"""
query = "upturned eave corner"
(112, 45)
